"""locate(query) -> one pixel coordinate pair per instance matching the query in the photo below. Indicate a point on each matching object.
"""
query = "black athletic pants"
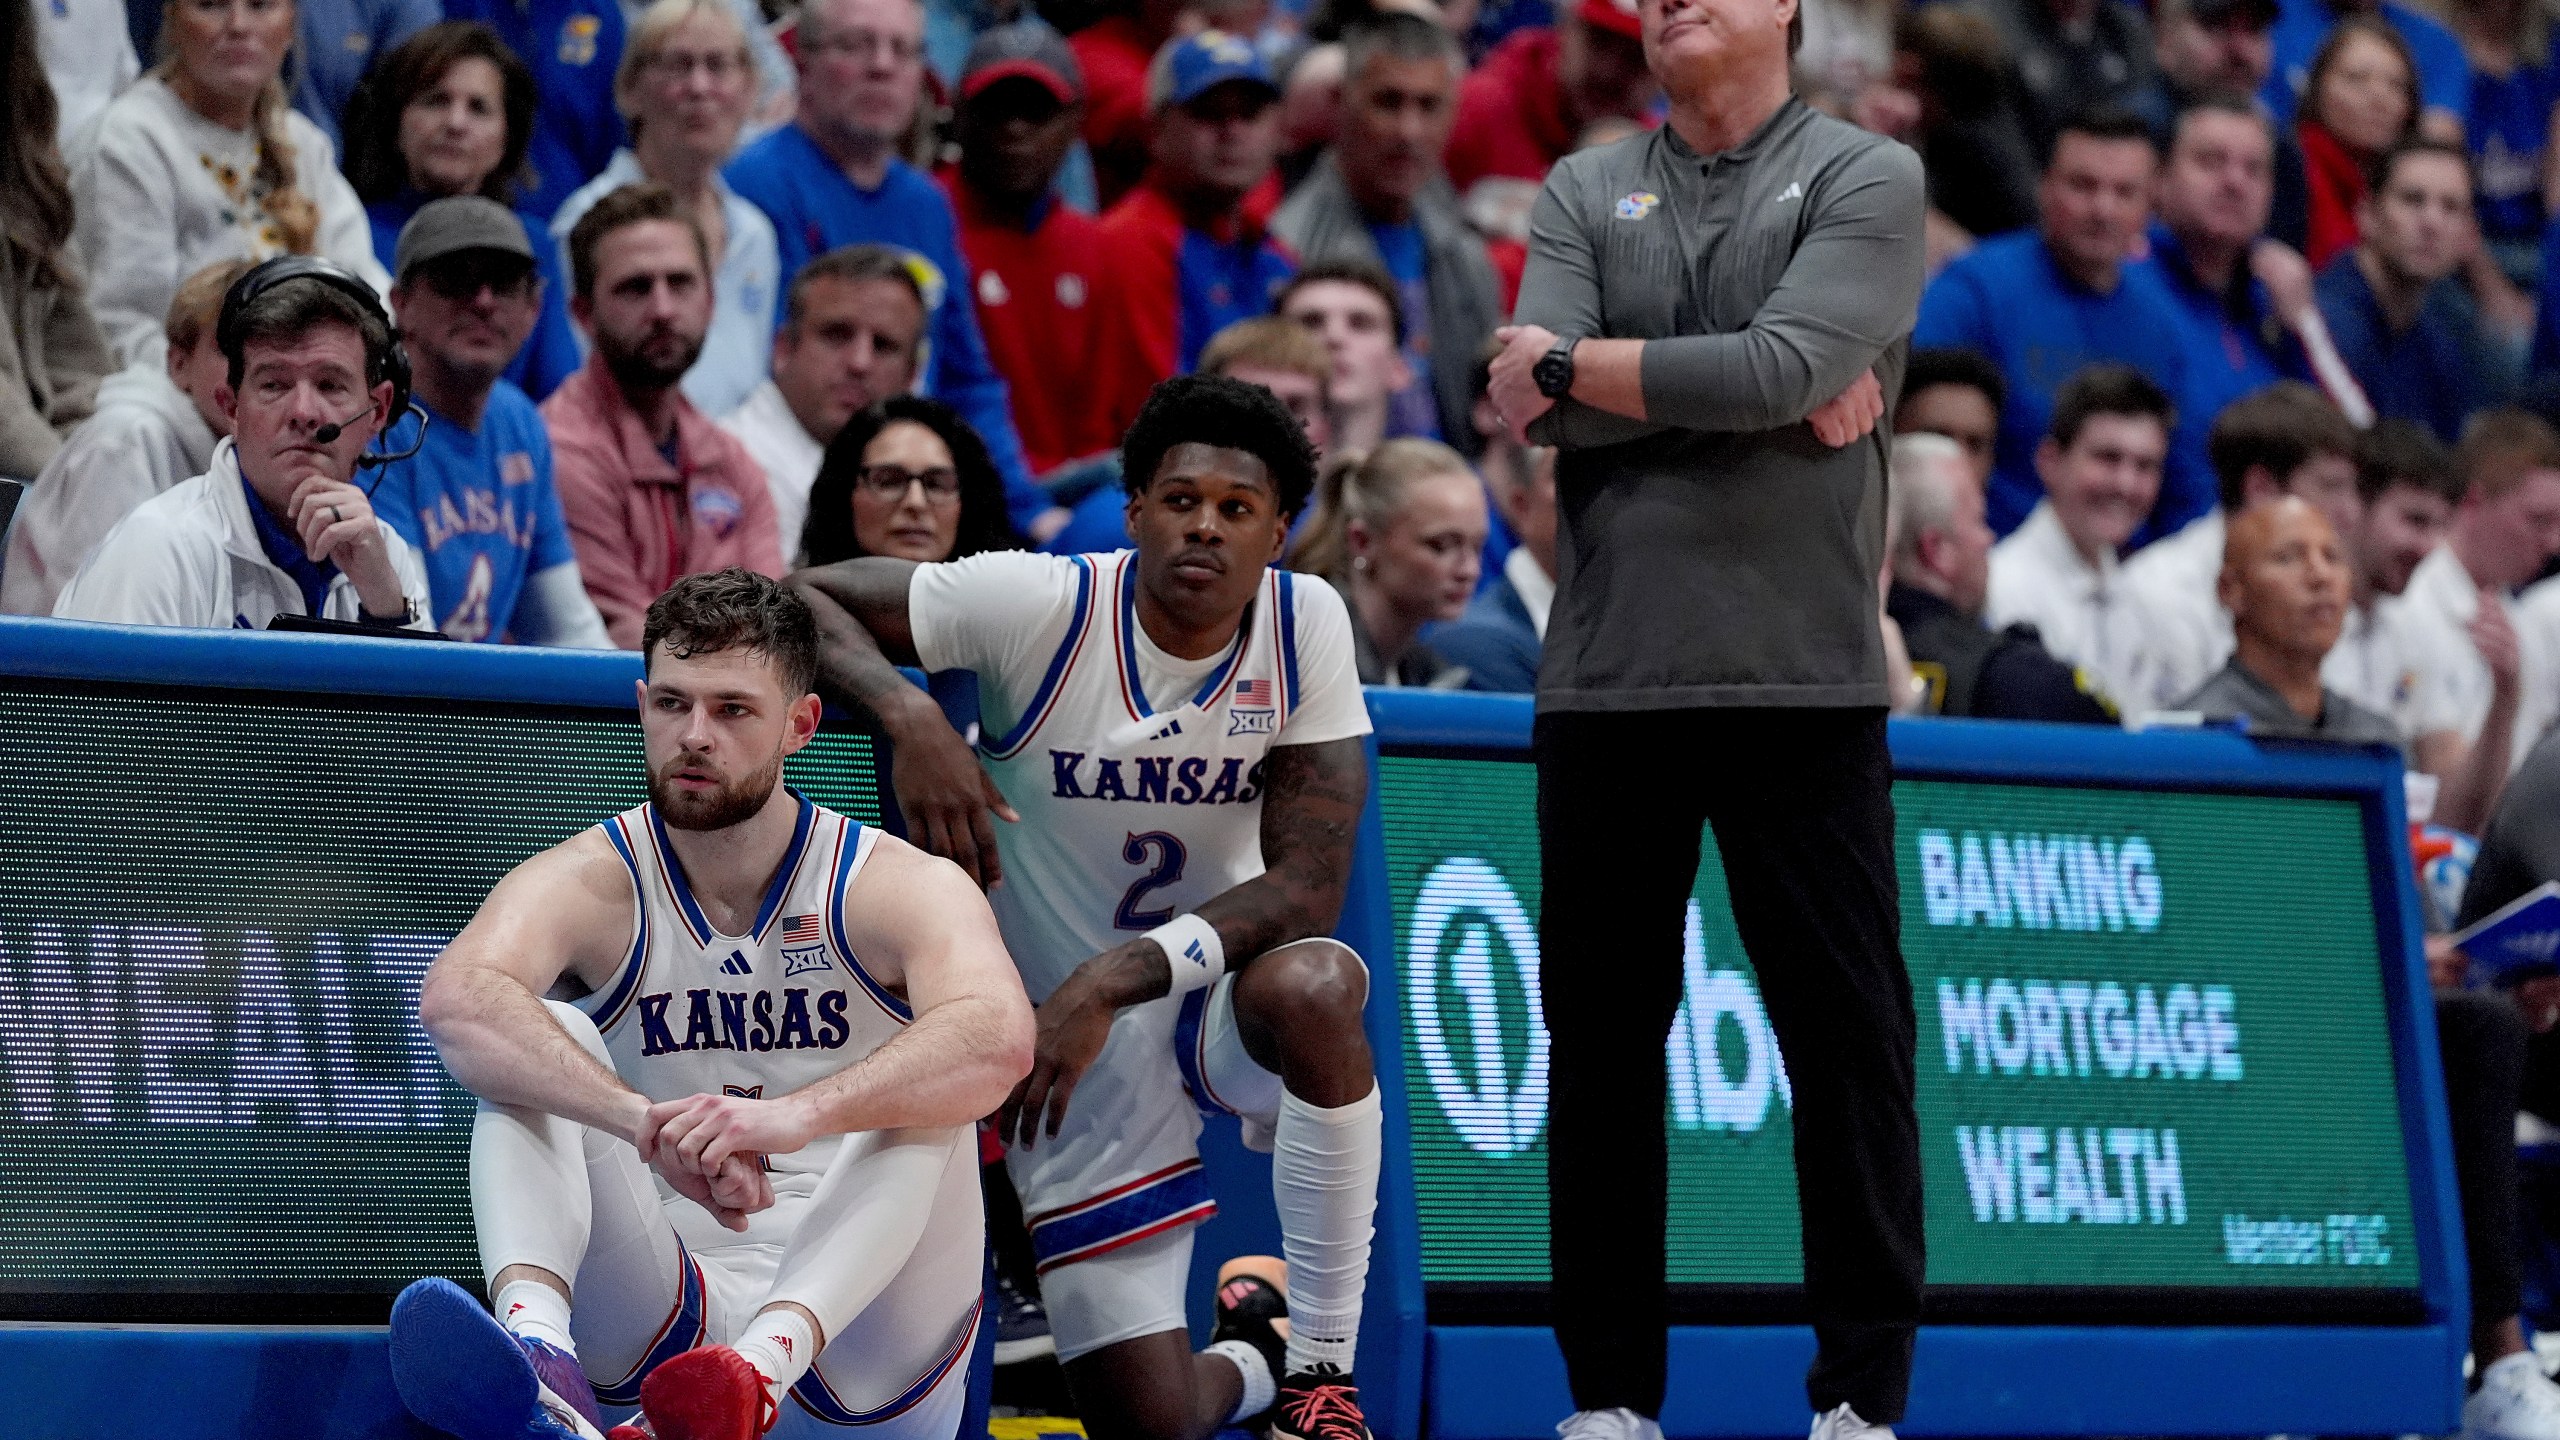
(2482, 1037)
(1801, 803)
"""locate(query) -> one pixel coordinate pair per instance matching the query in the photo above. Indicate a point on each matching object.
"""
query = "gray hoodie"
(145, 436)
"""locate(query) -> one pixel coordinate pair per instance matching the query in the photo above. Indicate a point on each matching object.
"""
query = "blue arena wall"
(1477, 1381)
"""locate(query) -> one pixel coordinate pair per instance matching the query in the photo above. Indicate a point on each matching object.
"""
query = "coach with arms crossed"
(1706, 316)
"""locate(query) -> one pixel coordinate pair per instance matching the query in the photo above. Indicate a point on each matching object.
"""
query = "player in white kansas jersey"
(791, 1019)
(1178, 729)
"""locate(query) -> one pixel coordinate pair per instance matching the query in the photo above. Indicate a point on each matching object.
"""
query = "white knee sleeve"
(865, 1218)
(1324, 1181)
(530, 1199)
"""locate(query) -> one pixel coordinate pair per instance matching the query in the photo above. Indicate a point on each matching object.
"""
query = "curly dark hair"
(1229, 414)
(735, 609)
(374, 164)
(984, 525)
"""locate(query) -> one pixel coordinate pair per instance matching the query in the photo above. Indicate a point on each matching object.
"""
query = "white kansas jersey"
(1138, 775)
(691, 1011)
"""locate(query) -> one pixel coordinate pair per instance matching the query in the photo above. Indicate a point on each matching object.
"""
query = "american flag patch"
(800, 930)
(1254, 692)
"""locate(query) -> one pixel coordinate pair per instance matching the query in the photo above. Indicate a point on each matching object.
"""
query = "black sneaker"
(1318, 1404)
(1250, 1298)
(1022, 1327)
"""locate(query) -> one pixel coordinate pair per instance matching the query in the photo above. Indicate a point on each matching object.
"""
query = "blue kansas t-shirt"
(481, 508)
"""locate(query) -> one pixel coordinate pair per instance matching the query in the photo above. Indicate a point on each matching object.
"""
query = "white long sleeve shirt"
(190, 557)
(2087, 614)
(145, 437)
(163, 192)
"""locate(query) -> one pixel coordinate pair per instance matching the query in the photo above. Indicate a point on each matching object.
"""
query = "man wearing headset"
(276, 526)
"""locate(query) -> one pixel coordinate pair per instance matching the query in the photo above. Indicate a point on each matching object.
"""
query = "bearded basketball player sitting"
(733, 1179)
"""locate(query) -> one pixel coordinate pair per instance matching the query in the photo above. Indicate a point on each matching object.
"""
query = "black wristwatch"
(1554, 370)
(408, 614)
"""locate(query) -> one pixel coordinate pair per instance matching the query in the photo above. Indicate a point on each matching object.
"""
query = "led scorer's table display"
(215, 1102)
(2153, 1054)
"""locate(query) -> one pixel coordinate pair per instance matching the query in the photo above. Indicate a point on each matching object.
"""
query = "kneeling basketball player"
(1179, 729)
(793, 1019)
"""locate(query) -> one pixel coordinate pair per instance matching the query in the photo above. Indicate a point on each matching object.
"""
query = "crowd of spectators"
(691, 283)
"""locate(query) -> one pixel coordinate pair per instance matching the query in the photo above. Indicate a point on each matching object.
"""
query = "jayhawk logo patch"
(1638, 205)
(578, 39)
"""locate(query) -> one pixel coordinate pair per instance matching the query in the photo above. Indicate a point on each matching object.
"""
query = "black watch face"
(1554, 375)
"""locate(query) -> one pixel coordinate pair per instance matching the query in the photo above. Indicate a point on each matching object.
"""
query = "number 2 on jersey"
(1167, 855)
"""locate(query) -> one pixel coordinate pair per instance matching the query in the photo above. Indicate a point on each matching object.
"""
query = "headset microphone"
(328, 434)
(374, 459)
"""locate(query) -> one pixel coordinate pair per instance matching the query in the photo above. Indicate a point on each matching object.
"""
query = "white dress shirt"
(1535, 587)
(2086, 613)
(2438, 608)
(2381, 662)
(789, 454)
(2177, 580)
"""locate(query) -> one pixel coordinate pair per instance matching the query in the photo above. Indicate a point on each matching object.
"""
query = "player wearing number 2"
(1178, 729)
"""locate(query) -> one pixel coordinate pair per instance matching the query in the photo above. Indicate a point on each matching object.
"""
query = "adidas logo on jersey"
(1171, 729)
(737, 964)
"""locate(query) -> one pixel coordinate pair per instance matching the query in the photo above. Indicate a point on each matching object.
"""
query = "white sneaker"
(1615, 1424)
(1842, 1423)
(2515, 1401)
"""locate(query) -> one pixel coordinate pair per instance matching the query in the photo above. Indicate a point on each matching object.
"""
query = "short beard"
(732, 804)
(634, 371)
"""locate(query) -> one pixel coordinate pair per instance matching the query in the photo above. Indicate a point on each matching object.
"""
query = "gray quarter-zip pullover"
(1716, 553)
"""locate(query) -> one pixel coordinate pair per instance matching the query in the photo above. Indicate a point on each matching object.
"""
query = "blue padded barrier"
(1475, 1382)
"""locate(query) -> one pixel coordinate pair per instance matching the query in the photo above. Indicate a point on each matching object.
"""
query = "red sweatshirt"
(1035, 303)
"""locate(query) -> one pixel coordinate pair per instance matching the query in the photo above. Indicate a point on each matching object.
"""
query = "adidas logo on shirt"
(1794, 191)
(737, 964)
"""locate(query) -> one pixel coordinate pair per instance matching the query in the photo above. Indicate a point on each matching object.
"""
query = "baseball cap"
(1190, 67)
(1027, 50)
(453, 225)
(2215, 12)
(1615, 15)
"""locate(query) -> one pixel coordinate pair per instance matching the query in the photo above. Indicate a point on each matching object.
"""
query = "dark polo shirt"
(2234, 692)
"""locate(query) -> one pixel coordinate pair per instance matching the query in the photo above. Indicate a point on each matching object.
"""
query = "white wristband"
(1192, 948)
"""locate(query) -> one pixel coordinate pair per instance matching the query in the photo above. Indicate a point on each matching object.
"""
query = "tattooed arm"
(865, 632)
(1311, 802)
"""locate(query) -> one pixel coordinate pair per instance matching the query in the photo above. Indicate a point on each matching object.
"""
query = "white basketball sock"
(1261, 1387)
(1324, 1180)
(781, 1346)
(537, 1312)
